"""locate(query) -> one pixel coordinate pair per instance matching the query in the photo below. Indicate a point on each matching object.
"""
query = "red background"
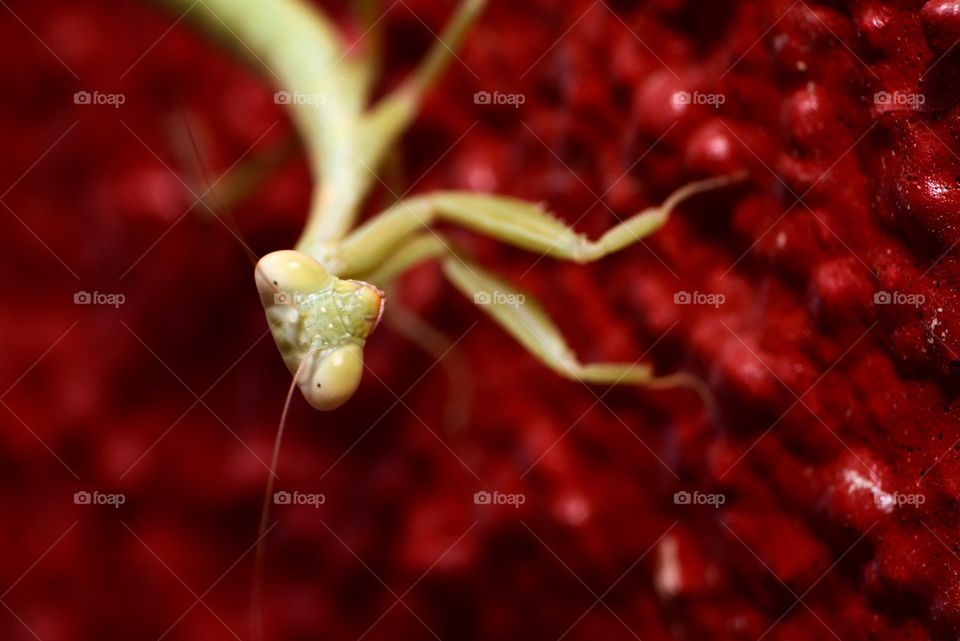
(172, 398)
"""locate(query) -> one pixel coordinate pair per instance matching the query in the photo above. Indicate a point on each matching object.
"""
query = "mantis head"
(319, 322)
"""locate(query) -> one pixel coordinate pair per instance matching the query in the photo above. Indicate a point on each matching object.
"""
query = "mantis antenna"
(318, 305)
(256, 591)
(218, 209)
(321, 323)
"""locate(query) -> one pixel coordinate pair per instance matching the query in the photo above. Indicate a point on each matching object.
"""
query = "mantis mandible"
(323, 298)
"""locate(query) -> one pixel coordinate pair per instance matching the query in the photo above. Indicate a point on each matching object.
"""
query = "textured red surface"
(826, 400)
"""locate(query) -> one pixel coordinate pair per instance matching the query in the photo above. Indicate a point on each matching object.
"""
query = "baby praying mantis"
(323, 298)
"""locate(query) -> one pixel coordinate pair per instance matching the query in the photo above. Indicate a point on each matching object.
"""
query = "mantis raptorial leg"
(291, 283)
(525, 320)
(344, 140)
(319, 316)
(394, 241)
(516, 222)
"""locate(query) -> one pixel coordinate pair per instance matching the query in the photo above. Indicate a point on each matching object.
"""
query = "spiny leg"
(516, 222)
(393, 242)
(522, 317)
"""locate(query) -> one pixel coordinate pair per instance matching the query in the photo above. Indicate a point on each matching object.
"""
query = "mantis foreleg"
(516, 222)
(520, 315)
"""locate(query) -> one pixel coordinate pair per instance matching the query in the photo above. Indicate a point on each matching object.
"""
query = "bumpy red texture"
(833, 357)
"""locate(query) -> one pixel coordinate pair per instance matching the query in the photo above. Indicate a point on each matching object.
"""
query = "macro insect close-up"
(470, 319)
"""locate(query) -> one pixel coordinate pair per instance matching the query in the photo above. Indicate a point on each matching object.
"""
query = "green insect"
(320, 320)
(323, 298)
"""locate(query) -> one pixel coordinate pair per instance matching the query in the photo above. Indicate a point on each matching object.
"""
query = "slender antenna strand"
(256, 592)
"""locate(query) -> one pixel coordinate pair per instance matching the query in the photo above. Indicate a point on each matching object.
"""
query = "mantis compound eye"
(319, 322)
(330, 378)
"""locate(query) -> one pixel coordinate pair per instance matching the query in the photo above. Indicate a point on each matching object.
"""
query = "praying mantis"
(323, 298)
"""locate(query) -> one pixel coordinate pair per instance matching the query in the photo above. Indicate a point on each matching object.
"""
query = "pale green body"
(346, 141)
(319, 317)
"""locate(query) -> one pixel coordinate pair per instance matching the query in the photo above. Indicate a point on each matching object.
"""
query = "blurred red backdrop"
(166, 395)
